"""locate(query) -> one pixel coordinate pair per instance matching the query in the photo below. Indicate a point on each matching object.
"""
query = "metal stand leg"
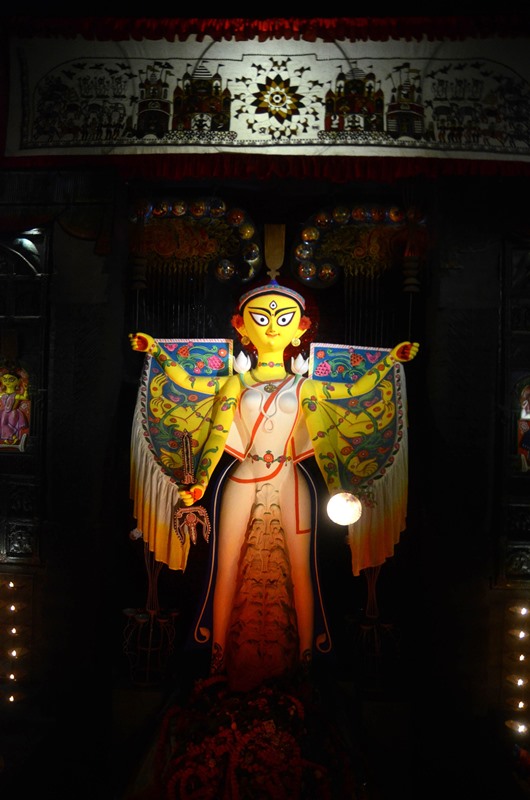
(376, 638)
(149, 633)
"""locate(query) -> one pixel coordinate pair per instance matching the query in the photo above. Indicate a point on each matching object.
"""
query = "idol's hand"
(405, 351)
(141, 342)
(191, 495)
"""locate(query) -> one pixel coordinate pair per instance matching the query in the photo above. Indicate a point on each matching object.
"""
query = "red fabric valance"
(222, 166)
(298, 28)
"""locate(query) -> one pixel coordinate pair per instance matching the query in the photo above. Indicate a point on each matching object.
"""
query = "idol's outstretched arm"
(144, 343)
(403, 352)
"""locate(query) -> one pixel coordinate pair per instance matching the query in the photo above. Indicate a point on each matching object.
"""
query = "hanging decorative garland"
(354, 240)
(197, 235)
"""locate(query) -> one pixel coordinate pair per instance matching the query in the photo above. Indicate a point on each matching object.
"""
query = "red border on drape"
(216, 167)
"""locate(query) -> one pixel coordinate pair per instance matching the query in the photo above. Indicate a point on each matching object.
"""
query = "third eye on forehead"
(262, 315)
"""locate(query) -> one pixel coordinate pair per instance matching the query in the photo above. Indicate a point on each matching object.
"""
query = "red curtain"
(308, 29)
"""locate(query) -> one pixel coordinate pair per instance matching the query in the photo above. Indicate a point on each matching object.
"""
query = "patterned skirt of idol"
(263, 635)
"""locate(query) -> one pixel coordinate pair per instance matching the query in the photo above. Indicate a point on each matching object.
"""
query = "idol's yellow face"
(10, 382)
(271, 321)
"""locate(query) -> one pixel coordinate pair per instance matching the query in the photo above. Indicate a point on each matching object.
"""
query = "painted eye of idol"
(284, 319)
(259, 319)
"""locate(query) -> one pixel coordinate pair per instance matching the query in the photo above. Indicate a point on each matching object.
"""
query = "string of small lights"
(517, 672)
(15, 613)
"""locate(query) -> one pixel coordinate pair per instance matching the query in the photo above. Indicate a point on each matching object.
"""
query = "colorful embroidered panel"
(177, 422)
(356, 440)
(461, 99)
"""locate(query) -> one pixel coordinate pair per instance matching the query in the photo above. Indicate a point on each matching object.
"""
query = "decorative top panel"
(462, 99)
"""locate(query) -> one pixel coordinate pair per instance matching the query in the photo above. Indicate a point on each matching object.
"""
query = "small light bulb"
(518, 633)
(517, 680)
(344, 508)
(514, 702)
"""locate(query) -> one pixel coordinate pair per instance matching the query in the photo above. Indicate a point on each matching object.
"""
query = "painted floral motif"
(278, 99)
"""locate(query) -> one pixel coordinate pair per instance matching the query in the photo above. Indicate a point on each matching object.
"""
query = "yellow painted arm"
(226, 405)
(145, 343)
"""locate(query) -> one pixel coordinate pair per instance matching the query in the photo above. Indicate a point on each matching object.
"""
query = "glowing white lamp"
(344, 508)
